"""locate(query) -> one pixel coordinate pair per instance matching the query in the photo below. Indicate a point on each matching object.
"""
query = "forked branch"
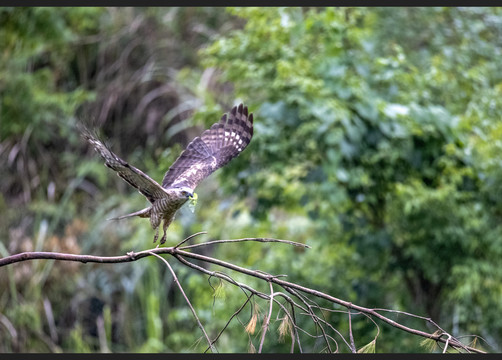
(306, 306)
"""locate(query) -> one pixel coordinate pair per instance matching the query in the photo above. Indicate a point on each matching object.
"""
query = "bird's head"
(184, 192)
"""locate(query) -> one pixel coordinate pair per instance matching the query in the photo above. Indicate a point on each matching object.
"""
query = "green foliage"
(36, 65)
(379, 132)
(78, 342)
(193, 202)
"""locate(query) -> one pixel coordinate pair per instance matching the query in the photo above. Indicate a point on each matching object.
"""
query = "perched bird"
(205, 154)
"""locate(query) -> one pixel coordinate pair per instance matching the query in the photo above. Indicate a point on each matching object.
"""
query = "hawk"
(214, 148)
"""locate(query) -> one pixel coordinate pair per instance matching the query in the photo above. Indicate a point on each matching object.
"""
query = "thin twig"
(225, 277)
(242, 240)
(428, 319)
(228, 322)
(266, 321)
(475, 337)
(374, 322)
(288, 316)
(244, 287)
(313, 316)
(351, 336)
(309, 313)
(187, 300)
(188, 238)
(446, 343)
(291, 316)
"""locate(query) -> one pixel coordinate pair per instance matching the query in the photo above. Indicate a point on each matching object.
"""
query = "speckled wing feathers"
(133, 176)
(213, 149)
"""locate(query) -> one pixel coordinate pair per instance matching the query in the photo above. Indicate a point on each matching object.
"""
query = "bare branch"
(228, 322)
(314, 317)
(242, 240)
(351, 336)
(266, 321)
(190, 237)
(296, 290)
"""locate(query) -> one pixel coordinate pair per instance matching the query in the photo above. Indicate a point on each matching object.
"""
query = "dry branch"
(179, 252)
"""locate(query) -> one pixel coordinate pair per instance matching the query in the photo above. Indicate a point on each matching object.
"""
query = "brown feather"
(214, 148)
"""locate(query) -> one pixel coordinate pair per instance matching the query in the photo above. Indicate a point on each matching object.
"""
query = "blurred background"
(377, 143)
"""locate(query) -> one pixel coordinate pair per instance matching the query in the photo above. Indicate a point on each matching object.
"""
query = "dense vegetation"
(377, 139)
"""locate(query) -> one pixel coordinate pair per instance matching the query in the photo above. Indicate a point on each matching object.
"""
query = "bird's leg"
(156, 235)
(167, 222)
(164, 227)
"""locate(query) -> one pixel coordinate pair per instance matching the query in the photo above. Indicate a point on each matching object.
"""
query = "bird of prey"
(205, 154)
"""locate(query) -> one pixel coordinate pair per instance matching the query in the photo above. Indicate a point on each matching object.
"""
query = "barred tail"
(145, 213)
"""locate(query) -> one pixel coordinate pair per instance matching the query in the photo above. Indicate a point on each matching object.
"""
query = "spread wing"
(135, 177)
(213, 149)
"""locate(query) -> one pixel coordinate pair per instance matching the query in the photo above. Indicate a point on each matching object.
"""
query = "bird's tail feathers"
(141, 213)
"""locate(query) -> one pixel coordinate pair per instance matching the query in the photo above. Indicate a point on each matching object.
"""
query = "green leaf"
(193, 202)
(368, 348)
